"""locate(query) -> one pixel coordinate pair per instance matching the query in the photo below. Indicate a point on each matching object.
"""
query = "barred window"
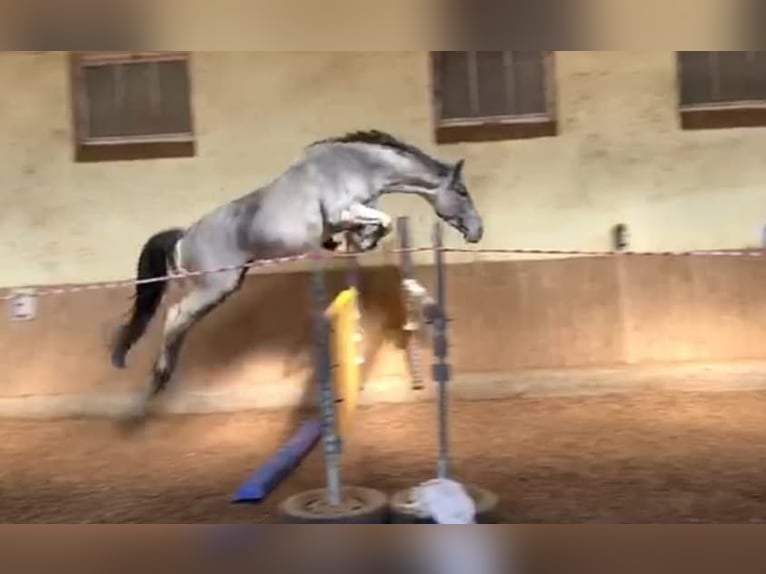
(481, 96)
(131, 105)
(722, 89)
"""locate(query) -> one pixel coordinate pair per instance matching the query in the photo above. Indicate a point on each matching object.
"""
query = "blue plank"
(270, 474)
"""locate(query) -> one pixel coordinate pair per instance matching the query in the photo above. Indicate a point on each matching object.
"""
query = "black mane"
(377, 137)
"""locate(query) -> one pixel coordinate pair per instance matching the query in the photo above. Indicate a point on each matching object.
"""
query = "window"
(132, 105)
(722, 89)
(488, 96)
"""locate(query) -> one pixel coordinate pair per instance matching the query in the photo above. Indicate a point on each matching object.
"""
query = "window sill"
(128, 151)
(723, 118)
(491, 132)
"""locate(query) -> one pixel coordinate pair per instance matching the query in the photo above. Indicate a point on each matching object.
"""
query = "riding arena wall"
(519, 324)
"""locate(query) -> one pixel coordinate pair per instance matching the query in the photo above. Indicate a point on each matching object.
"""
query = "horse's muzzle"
(473, 233)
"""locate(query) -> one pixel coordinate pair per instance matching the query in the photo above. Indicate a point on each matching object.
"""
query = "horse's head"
(454, 205)
(407, 169)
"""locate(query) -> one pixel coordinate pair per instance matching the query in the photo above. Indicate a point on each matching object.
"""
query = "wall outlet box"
(22, 305)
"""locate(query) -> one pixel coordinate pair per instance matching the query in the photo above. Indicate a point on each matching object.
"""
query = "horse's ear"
(457, 172)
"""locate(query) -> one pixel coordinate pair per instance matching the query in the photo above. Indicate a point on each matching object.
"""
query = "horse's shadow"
(271, 321)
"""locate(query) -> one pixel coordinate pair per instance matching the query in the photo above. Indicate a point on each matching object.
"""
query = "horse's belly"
(284, 247)
(285, 237)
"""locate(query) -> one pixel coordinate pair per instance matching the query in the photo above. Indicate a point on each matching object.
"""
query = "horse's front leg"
(367, 226)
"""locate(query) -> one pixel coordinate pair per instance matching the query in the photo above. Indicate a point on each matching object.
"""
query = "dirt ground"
(660, 458)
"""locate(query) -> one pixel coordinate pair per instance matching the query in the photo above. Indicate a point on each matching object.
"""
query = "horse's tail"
(152, 263)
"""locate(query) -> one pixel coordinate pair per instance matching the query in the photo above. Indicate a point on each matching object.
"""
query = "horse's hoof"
(131, 422)
(369, 244)
(331, 245)
(118, 357)
(135, 417)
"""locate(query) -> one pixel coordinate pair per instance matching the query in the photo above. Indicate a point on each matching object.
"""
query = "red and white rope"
(698, 252)
(324, 255)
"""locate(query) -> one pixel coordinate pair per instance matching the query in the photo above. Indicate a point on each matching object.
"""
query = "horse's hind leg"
(209, 294)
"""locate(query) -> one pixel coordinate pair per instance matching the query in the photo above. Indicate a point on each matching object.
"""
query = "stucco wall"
(621, 157)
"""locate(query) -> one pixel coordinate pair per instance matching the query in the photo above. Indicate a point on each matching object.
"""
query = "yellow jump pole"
(344, 317)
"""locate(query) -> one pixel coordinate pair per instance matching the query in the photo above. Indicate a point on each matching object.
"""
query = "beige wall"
(67, 222)
(620, 158)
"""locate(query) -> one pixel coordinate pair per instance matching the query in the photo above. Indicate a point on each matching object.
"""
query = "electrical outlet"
(22, 306)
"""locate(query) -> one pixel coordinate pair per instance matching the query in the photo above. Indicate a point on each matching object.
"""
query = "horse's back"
(284, 218)
(267, 223)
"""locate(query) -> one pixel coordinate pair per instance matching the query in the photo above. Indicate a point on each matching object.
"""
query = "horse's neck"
(406, 176)
(379, 172)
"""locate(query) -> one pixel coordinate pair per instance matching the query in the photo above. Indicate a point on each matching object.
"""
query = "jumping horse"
(331, 188)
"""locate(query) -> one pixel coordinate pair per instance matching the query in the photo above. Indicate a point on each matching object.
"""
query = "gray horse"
(332, 188)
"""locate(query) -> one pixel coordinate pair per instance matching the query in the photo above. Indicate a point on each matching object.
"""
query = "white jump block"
(446, 501)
